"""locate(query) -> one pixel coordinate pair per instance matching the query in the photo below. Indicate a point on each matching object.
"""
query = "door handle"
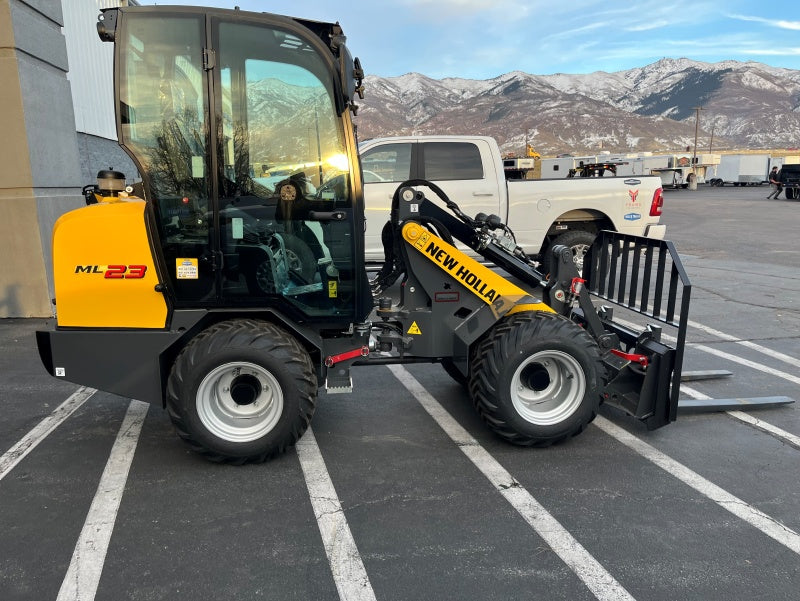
(482, 194)
(327, 216)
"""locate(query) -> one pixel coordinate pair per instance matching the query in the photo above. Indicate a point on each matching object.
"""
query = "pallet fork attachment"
(645, 276)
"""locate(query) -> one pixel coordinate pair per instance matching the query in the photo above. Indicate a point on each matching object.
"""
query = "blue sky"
(480, 39)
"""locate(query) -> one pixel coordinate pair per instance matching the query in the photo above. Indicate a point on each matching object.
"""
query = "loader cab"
(205, 100)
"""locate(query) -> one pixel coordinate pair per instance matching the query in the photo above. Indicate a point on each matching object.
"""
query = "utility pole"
(697, 110)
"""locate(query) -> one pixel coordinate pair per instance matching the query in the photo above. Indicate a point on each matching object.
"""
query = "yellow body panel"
(104, 271)
(493, 289)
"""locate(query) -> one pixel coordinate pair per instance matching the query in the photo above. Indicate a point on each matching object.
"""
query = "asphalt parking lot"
(398, 491)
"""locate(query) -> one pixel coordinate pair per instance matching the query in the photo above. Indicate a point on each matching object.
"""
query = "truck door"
(465, 172)
(383, 167)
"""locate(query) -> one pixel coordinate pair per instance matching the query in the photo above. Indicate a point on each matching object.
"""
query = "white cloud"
(779, 23)
(648, 26)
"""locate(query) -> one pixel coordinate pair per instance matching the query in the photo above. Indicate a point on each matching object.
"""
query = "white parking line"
(17, 453)
(86, 566)
(571, 552)
(746, 343)
(768, 525)
(735, 358)
(347, 568)
(783, 435)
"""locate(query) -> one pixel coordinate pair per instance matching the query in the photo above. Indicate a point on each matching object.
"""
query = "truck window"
(451, 161)
(387, 163)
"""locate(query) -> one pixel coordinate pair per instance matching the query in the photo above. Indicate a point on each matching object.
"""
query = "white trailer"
(779, 162)
(642, 164)
(558, 167)
(681, 172)
(741, 170)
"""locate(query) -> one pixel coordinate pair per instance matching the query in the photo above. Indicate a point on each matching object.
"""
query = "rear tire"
(578, 241)
(536, 378)
(242, 391)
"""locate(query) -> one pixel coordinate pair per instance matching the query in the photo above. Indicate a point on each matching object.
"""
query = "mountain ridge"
(747, 105)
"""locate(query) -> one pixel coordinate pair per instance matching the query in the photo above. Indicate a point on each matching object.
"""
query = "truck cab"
(466, 169)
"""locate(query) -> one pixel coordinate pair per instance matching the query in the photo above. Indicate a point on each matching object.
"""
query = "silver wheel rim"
(548, 387)
(239, 401)
(578, 254)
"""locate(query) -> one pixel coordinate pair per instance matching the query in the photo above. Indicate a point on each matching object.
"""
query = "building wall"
(91, 68)
(58, 131)
(39, 169)
(97, 153)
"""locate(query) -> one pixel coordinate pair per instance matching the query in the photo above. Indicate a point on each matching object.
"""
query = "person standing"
(775, 180)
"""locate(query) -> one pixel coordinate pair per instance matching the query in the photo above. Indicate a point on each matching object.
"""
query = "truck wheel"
(242, 391)
(578, 241)
(535, 379)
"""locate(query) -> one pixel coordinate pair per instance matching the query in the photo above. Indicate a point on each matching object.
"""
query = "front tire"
(242, 391)
(536, 378)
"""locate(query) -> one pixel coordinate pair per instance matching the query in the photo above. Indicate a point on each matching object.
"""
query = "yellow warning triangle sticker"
(414, 329)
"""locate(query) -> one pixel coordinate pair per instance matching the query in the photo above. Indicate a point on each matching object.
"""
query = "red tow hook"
(332, 360)
(633, 357)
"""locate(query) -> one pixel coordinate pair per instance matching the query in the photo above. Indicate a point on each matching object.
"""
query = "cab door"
(286, 211)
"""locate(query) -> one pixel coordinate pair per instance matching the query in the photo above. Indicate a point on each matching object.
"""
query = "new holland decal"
(493, 289)
(460, 272)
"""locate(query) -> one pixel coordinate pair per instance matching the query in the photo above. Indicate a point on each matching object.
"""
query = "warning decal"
(414, 329)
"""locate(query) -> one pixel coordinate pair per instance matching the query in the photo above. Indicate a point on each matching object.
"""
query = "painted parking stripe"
(736, 359)
(17, 453)
(746, 343)
(86, 566)
(586, 567)
(347, 568)
(768, 525)
(778, 433)
(731, 357)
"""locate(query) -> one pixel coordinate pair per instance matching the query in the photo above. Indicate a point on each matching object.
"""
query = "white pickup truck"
(469, 169)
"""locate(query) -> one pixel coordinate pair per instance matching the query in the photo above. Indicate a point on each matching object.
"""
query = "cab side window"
(451, 161)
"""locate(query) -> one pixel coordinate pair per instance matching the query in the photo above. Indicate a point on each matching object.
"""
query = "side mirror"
(351, 73)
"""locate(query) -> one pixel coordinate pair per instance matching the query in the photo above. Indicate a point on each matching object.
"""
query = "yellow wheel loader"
(232, 295)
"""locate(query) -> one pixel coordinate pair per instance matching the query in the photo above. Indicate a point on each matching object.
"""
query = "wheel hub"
(239, 401)
(548, 387)
(245, 389)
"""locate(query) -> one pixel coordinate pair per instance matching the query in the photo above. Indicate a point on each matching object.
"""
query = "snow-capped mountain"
(652, 108)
